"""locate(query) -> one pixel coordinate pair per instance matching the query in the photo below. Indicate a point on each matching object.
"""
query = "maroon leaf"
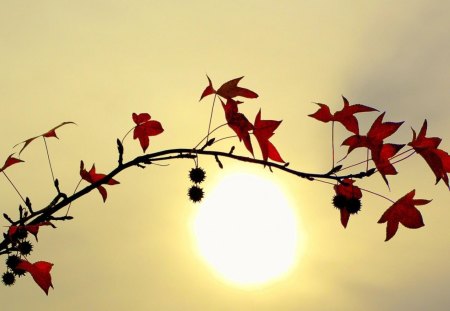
(322, 114)
(403, 211)
(208, 90)
(33, 229)
(380, 152)
(437, 159)
(145, 128)
(49, 133)
(40, 271)
(349, 191)
(345, 116)
(228, 90)
(238, 123)
(92, 176)
(10, 161)
(231, 89)
(263, 131)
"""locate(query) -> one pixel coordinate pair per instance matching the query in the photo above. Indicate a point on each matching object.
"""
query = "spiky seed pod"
(339, 201)
(21, 233)
(195, 193)
(25, 247)
(19, 272)
(12, 261)
(197, 175)
(353, 205)
(8, 278)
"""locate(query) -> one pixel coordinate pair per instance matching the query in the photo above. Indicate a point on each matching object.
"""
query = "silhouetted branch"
(62, 200)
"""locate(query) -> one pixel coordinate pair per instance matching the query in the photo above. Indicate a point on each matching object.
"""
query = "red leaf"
(92, 176)
(345, 116)
(49, 133)
(263, 131)
(381, 130)
(348, 190)
(403, 211)
(437, 159)
(10, 161)
(33, 229)
(40, 271)
(238, 123)
(140, 118)
(345, 216)
(208, 90)
(380, 152)
(145, 128)
(228, 90)
(381, 159)
(355, 141)
(323, 114)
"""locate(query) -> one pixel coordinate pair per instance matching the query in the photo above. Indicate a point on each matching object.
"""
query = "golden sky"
(96, 62)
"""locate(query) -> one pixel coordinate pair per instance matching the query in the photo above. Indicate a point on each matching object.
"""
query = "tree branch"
(62, 200)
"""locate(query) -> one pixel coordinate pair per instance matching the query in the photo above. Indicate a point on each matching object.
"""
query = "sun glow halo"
(247, 231)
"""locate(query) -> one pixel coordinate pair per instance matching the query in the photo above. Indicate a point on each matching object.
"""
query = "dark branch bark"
(62, 200)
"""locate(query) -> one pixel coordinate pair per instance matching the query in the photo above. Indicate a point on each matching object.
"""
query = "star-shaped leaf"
(238, 122)
(403, 212)
(437, 159)
(228, 90)
(145, 128)
(263, 131)
(208, 90)
(374, 141)
(92, 176)
(345, 116)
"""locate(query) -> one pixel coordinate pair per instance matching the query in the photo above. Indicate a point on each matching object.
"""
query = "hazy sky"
(97, 62)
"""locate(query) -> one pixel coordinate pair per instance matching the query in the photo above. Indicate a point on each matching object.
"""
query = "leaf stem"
(411, 154)
(397, 155)
(377, 194)
(127, 134)
(49, 161)
(206, 137)
(362, 189)
(332, 143)
(210, 117)
(68, 208)
(403, 152)
(367, 159)
(223, 138)
(12, 184)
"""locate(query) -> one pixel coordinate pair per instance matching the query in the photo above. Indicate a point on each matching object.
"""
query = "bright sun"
(247, 231)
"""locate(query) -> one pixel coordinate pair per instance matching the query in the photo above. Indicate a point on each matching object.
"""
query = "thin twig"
(48, 157)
